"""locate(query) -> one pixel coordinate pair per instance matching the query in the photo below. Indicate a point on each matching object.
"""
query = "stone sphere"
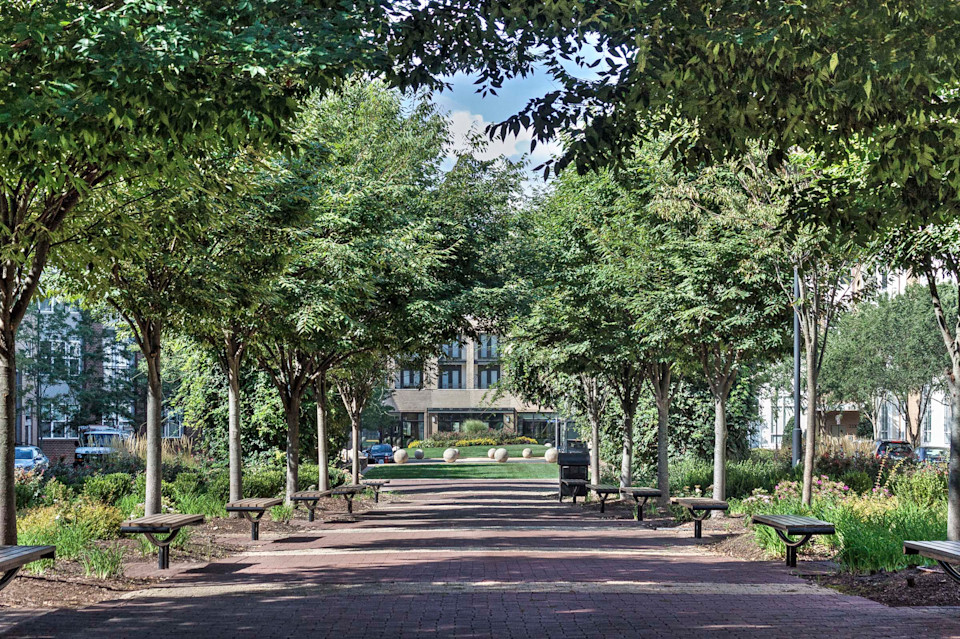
(450, 455)
(527, 453)
(491, 453)
(396, 448)
(400, 457)
(547, 444)
(418, 453)
(551, 455)
(501, 455)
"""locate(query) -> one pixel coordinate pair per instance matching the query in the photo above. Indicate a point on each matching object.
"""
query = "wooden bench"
(348, 492)
(699, 508)
(252, 510)
(787, 526)
(153, 525)
(573, 485)
(639, 493)
(309, 498)
(603, 492)
(13, 558)
(376, 484)
(945, 553)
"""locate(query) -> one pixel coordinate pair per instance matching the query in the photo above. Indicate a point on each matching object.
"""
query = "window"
(540, 426)
(411, 426)
(173, 424)
(450, 376)
(410, 378)
(453, 351)
(46, 307)
(453, 422)
(61, 425)
(488, 347)
(488, 375)
(928, 426)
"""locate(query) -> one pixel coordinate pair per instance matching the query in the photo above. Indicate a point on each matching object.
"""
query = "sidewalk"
(487, 558)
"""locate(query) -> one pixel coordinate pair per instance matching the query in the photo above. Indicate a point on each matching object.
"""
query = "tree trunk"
(233, 436)
(663, 448)
(594, 447)
(953, 469)
(355, 446)
(8, 423)
(292, 409)
(810, 446)
(626, 462)
(151, 339)
(320, 387)
(719, 448)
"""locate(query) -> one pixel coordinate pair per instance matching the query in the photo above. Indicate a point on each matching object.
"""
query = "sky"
(468, 110)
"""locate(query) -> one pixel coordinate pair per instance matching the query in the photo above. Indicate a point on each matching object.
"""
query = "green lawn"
(514, 450)
(460, 470)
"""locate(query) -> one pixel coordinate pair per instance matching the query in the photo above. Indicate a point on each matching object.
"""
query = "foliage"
(743, 477)
(28, 485)
(463, 471)
(282, 513)
(103, 562)
(491, 438)
(107, 489)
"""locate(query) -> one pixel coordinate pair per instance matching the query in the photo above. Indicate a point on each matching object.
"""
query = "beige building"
(458, 386)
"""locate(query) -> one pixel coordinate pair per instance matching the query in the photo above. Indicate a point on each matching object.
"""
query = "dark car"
(894, 449)
(380, 454)
(933, 454)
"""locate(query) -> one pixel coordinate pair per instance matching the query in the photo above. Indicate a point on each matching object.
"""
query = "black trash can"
(574, 461)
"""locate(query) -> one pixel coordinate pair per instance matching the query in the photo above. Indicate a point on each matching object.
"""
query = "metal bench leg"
(8, 577)
(792, 546)
(603, 502)
(163, 548)
(349, 499)
(376, 495)
(698, 522)
(952, 571)
(640, 507)
(311, 509)
(254, 524)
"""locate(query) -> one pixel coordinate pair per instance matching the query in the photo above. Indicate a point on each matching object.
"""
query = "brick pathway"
(486, 559)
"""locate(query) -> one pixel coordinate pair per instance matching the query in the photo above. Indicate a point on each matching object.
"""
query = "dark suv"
(894, 449)
(380, 454)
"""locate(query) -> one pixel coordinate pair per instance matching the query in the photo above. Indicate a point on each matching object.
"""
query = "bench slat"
(948, 551)
(310, 495)
(700, 503)
(169, 521)
(795, 524)
(253, 503)
(640, 491)
(603, 488)
(16, 556)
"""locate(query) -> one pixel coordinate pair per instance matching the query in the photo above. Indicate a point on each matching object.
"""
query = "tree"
(356, 380)
(716, 247)
(897, 337)
(137, 82)
(824, 76)
(148, 282)
(932, 251)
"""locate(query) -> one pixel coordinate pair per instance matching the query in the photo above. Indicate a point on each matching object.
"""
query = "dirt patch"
(931, 587)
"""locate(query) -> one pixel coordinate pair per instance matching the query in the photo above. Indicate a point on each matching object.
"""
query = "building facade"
(441, 394)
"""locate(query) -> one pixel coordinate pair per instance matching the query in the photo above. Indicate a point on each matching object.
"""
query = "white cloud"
(465, 123)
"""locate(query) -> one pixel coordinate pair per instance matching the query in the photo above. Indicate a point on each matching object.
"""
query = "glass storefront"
(540, 426)
(453, 422)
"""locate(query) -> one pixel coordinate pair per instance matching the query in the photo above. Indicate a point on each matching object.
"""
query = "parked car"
(894, 449)
(937, 454)
(30, 458)
(380, 454)
(97, 442)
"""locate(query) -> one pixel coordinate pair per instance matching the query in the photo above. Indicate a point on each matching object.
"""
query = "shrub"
(185, 484)
(27, 485)
(103, 563)
(201, 504)
(743, 477)
(56, 492)
(107, 489)
(264, 483)
(859, 481)
(282, 513)
(924, 485)
(100, 520)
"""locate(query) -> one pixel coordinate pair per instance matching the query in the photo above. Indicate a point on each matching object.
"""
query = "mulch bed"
(930, 587)
(65, 585)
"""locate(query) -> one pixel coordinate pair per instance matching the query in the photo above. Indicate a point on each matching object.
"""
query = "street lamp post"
(797, 439)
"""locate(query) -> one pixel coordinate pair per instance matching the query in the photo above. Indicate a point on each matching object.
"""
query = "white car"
(98, 441)
(30, 458)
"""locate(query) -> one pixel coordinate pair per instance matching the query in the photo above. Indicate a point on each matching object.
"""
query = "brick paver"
(486, 559)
